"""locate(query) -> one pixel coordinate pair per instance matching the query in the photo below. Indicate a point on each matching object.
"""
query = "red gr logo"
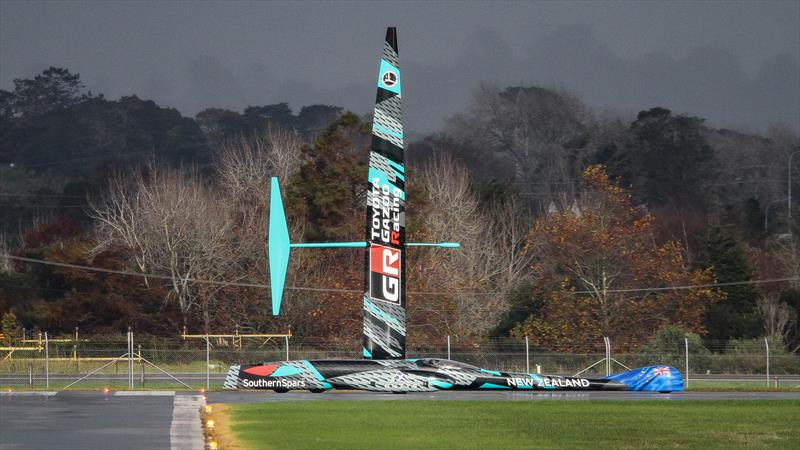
(384, 264)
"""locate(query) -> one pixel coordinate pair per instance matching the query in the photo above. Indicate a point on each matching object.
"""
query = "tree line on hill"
(575, 224)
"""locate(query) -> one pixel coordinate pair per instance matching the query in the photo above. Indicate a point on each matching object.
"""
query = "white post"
(130, 359)
(208, 362)
(766, 344)
(141, 366)
(686, 351)
(607, 342)
(128, 352)
(286, 339)
(527, 356)
(448, 346)
(46, 361)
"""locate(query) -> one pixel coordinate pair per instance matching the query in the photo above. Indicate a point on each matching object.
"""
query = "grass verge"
(335, 424)
(221, 434)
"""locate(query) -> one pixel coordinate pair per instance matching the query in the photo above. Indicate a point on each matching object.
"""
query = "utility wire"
(27, 194)
(44, 206)
(116, 157)
(312, 289)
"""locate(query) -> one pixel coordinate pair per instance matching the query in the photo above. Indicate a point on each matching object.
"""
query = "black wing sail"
(385, 296)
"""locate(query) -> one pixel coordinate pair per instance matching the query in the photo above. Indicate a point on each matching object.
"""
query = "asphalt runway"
(86, 421)
(271, 397)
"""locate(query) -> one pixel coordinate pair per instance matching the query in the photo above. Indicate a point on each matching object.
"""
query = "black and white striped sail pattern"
(432, 374)
(385, 298)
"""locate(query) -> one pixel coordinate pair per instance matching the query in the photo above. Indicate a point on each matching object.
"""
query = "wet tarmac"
(84, 420)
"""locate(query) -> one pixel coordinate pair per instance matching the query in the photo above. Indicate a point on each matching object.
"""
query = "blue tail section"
(651, 378)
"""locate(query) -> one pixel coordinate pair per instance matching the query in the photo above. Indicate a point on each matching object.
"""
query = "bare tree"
(510, 225)
(544, 134)
(190, 233)
(284, 151)
(173, 226)
(490, 259)
(245, 165)
(777, 317)
(5, 249)
(119, 218)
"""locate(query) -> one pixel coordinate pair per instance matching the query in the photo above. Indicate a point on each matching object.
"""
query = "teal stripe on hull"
(316, 373)
(492, 386)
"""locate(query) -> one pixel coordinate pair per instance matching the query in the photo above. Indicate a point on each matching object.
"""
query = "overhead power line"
(45, 206)
(30, 194)
(116, 157)
(323, 289)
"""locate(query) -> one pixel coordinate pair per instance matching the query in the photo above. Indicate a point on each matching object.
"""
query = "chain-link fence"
(138, 361)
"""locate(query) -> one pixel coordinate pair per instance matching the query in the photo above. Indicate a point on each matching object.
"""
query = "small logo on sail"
(389, 78)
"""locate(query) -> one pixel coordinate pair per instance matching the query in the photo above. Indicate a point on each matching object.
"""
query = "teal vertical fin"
(278, 247)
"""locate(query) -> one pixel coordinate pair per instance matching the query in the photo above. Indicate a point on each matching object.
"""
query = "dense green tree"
(219, 124)
(791, 298)
(754, 217)
(6, 105)
(315, 118)
(327, 194)
(84, 136)
(257, 117)
(6, 125)
(49, 123)
(736, 316)
(521, 306)
(11, 328)
(669, 157)
(54, 89)
(670, 340)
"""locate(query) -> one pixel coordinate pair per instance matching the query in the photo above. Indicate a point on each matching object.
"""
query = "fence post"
(75, 352)
(766, 345)
(46, 361)
(286, 339)
(30, 375)
(448, 346)
(686, 352)
(607, 343)
(130, 359)
(527, 356)
(208, 362)
(141, 365)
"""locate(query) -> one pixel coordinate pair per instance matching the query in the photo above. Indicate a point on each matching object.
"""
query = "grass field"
(507, 425)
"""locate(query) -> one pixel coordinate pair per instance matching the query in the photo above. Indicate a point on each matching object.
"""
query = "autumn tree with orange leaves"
(600, 272)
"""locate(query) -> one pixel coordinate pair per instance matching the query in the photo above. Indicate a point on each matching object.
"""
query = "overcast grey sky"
(734, 63)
